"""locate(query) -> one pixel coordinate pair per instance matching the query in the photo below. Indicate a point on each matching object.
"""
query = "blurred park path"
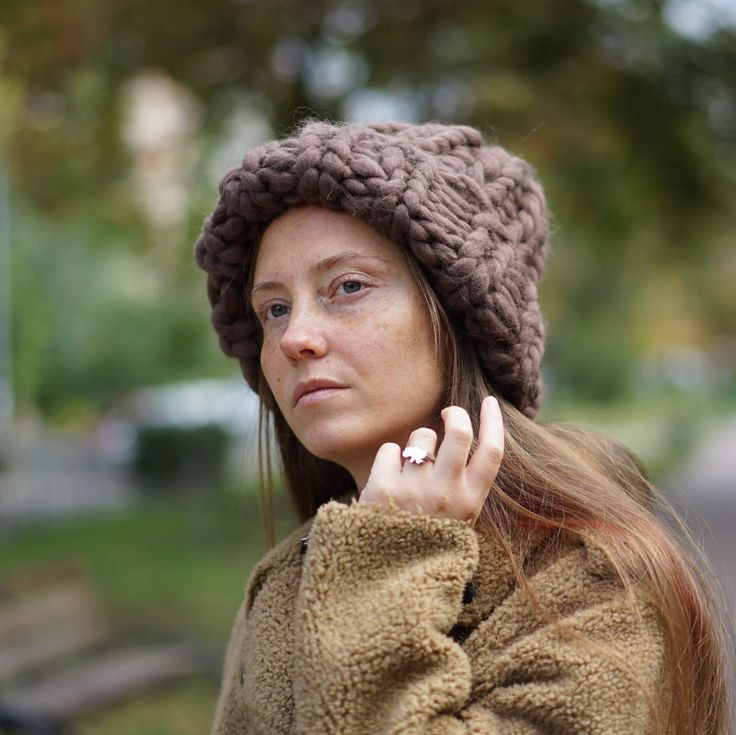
(704, 491)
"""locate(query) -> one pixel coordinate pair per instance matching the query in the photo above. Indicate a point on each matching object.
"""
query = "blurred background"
(127, 452)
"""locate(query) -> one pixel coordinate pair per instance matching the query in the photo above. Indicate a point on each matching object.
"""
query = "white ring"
(417, 455)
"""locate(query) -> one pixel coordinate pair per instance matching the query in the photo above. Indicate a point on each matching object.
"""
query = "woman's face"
(347, 340)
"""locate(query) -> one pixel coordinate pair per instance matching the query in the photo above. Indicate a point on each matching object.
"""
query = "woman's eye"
(351, 286)
(275, 311)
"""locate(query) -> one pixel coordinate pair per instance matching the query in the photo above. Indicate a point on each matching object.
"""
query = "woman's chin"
(337, 450)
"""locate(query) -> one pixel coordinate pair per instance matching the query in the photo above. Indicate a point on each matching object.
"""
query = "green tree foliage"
(631, 125)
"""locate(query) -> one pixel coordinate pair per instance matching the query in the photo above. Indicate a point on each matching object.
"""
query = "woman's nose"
(304, 336)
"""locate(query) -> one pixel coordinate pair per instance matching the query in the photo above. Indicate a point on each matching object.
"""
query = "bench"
(60, 658)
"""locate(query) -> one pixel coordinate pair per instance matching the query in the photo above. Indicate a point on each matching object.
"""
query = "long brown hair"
(575, 483)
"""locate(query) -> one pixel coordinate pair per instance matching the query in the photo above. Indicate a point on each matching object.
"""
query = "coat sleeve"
(379, 593)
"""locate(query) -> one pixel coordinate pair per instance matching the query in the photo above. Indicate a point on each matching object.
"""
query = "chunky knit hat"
(472, 215)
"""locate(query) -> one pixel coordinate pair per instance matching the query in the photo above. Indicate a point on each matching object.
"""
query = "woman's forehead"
(309, 234)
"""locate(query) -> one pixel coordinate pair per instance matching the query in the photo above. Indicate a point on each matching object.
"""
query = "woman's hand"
(449, 487)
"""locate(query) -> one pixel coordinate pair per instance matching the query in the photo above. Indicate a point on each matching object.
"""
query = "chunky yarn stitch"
(473, 216)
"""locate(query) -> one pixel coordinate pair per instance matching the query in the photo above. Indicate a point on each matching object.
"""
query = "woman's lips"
(317, 395)
(315, 390)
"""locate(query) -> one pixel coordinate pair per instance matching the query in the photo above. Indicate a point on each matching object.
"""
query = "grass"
(184, 709)
(168, 567)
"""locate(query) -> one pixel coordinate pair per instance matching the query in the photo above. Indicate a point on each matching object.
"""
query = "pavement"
(704, 492)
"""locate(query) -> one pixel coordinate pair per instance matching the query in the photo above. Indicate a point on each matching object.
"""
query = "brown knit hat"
(473, 216)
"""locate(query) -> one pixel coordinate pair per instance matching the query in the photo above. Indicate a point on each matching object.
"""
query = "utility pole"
(7, 403)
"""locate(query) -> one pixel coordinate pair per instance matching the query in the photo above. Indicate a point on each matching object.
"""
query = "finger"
(423, 438)
(453, 453)
(484, 464)
(386, 467)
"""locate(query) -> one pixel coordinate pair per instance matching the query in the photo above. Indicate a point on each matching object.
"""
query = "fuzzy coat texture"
(394, 622)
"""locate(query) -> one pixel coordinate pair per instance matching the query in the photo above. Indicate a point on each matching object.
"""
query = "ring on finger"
(417, 455)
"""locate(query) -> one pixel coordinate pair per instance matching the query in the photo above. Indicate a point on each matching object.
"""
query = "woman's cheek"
(268, 364)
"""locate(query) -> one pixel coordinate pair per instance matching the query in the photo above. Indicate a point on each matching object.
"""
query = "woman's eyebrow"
(337, 259)
(320, 266)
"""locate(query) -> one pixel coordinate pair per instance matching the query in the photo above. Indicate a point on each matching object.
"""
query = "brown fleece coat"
(376, 629)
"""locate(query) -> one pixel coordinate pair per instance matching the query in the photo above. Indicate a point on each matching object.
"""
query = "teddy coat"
(394, 622)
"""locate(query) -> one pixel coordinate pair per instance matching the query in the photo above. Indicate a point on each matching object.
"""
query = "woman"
(460, 567)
